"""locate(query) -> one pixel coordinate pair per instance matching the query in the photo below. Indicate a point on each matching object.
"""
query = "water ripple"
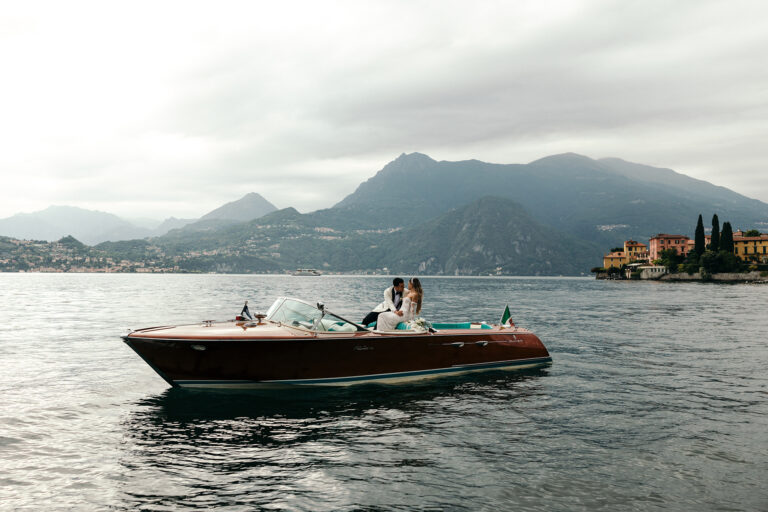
(656, 401)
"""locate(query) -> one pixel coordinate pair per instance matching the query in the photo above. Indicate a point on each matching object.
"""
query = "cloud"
(174, 109)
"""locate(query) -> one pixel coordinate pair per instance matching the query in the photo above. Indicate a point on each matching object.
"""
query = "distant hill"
(94, 227)
(56, 222)
(169, 224)
(487, 236)
(72, 243)
(249, 207)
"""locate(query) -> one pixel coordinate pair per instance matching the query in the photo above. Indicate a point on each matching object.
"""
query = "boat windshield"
(300, 314)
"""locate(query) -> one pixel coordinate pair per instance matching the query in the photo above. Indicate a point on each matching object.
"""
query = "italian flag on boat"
(507, 317)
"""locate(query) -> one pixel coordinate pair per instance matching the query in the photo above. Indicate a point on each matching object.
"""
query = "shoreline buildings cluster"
(747, 246)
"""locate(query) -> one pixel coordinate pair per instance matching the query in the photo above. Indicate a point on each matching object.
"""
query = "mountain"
(685, 186)
(56, 222)
(556, 215)
(603, 201)
(94, 227)
(250, 206)
(488, 236)
(72, 243)
(169, 224)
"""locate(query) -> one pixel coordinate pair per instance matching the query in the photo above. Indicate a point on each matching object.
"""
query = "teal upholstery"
(341, 327)
(462, 325)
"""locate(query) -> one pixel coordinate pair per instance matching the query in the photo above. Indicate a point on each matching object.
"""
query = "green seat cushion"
(461, 325)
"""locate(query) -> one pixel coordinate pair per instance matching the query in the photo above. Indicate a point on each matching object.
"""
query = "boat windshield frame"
(301, 314)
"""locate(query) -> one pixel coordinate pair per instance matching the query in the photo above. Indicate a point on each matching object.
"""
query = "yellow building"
(615, 259)
(633, 251)
(751, 248)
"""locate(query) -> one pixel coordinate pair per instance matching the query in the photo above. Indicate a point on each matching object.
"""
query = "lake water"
(657, 399)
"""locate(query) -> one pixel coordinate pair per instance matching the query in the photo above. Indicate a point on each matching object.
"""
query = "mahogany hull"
(333, 359)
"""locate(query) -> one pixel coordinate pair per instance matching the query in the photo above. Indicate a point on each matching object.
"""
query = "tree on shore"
(699, 237)
(726, 238)
(716, 262)
(670, 259)
(714, 245)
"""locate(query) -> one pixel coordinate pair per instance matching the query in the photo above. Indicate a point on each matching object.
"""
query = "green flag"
(506, 316)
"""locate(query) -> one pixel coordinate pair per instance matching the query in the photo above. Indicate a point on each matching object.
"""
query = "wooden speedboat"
(297, 343)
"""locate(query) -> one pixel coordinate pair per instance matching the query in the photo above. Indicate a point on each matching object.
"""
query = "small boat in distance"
(297, 343)
(306, 272)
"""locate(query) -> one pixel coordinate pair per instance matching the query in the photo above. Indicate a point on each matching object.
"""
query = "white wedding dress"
(388, 321)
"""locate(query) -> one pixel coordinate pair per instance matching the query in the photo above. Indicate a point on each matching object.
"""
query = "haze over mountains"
(93, 227)
(556, 215)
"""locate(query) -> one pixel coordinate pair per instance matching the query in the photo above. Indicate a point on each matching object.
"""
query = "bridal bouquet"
(419, 324)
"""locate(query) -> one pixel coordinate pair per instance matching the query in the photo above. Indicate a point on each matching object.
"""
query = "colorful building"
(662, 242)
(751, 248)
(615, 259)
(633, 251)
(747, 248)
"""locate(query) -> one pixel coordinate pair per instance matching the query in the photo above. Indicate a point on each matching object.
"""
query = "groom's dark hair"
(396, 281)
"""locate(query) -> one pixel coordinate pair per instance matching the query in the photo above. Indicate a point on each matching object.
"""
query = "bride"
(410, 308)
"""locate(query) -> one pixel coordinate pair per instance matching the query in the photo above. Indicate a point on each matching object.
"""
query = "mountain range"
(93, 227)
(556, 215)
(598, 200)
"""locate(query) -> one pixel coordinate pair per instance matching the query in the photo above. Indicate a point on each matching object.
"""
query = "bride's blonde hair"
(416, 287)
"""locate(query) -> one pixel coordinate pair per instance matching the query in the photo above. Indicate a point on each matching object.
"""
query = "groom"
(393, 299)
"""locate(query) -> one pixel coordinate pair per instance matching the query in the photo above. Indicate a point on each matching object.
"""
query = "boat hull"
(335, 360)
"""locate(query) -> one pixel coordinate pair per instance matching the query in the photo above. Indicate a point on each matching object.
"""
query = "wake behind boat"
(297, 343)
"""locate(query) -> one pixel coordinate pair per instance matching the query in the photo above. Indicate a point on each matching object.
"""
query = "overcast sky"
(153, 109)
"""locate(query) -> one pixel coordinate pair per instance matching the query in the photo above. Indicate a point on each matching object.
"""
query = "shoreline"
(342, 274)
(681, 277)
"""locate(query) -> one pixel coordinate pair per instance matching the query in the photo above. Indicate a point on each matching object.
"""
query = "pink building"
(663, 242)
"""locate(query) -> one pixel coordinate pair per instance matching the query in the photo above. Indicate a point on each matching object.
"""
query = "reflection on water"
(190, 405)
(310, 449)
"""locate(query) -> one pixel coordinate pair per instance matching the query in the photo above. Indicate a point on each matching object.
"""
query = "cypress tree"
(715, 243)
(699, 237)
(726, 238)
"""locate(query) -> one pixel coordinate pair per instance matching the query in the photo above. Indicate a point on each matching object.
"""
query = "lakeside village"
(725, 255)
(69, 255)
